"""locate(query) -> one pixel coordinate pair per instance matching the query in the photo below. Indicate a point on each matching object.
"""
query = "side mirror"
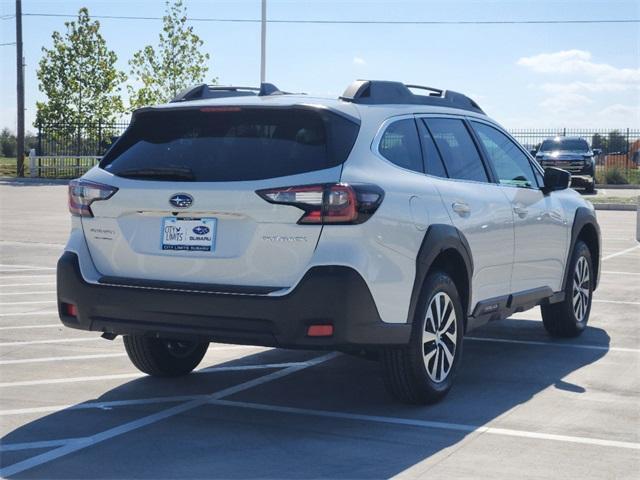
(556, 179)
(533, 152)
(597, 151)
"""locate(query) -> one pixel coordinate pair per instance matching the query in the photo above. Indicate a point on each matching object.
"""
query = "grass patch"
(617, 175)
(8, 167)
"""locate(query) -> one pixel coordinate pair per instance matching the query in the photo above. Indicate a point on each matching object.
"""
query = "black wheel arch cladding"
(447, 243)
(585, 227)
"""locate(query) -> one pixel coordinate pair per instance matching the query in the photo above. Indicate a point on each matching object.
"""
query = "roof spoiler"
(202, 91)
(382, 92)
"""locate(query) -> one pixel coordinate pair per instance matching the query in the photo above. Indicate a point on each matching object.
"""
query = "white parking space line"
(620, 273)
(431, 424)
(620, 253)
(26, 284)
(57, 340)
(5, 271)
(28, 267)
(65, 358)
(101, 405)
(23, 314)
(61, 359)
(7, 294)
(30, 302)
(616, 301)
(122, 376)
(553, 344)
(29, 327)
(12, 447)
(9, 277)
(32, 244)
(154, 418)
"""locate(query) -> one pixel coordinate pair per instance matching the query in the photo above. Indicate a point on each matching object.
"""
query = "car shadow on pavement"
(304, 425)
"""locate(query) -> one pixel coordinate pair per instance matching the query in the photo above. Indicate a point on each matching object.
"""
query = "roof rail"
(381, 92)
(203, 90)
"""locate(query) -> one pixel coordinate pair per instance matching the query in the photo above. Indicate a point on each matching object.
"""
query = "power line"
(7, 44)
(354, 22)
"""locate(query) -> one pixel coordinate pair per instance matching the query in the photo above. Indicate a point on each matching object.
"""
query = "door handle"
(520, 211)
(461, 208)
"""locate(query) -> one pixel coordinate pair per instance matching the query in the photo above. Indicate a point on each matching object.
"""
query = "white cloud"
(581, 88)
(359, 61)
(579, 62)
(618, 114)
(565, 102)
(578, 86)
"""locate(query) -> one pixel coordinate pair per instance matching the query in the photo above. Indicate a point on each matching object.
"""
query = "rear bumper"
(333, 295)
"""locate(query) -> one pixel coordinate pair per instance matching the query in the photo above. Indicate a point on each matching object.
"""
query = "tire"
(591, 187)
(409, 374)
(164, 358)
(569, 318)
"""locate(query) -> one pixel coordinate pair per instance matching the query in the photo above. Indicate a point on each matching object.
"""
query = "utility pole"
(263, 43)
(20, 91)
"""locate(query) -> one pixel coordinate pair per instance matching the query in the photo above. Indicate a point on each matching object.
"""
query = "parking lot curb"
(618, 187)
(628, 207)
(33, 181)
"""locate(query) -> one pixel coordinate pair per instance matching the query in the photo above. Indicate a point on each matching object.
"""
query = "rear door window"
(432, 160)
(214, 144)
(400, 145)
(459, 153)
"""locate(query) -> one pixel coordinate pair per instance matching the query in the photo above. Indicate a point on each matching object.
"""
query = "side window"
(432, 161)
(400, 145)
(510, 163)
(460, 155)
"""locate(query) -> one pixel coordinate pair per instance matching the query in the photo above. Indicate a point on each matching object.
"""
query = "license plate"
(190, 234)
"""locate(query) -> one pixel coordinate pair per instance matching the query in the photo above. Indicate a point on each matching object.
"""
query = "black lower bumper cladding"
(326, 295)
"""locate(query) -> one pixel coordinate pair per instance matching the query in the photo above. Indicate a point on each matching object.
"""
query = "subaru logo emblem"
(201, 230)
(181, 200)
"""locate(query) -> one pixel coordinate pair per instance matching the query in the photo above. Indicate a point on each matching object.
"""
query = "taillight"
(336, 203)
(82, 193)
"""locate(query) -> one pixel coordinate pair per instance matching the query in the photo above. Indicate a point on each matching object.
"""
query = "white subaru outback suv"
(390, 221)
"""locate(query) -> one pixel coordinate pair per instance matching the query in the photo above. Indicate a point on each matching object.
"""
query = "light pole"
(20, 92)
(263, 43)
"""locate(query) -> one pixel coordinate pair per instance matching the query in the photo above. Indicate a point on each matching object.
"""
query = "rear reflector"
(336, 203)
(70, 309)
(320, 331)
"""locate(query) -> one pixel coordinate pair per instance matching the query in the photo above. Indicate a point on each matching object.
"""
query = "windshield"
(214, 144)
(565, 144)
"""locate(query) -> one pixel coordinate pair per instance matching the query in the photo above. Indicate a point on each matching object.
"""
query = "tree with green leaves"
(175, 64)
(616, 142)
(78, 75)
(599, 141)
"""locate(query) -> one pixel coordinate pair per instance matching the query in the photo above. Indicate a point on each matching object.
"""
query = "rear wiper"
(160, 173)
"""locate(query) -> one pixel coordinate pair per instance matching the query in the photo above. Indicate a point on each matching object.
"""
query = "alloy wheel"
(581, 290)
(439, 337)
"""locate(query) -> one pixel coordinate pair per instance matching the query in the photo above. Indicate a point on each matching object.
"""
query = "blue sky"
(522, 75)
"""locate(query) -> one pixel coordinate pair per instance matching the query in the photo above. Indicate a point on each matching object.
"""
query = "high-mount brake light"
(220, 109)
(82, 193)
(336, 203)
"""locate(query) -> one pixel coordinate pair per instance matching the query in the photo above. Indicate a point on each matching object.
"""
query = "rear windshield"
(215, 144)
(566, 144)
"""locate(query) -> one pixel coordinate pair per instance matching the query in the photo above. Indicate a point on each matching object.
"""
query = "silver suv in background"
(572, 154)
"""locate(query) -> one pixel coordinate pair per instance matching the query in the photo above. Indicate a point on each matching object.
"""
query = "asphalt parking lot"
(524, 405)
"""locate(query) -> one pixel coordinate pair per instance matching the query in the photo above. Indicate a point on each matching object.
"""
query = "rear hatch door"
(186, 209)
